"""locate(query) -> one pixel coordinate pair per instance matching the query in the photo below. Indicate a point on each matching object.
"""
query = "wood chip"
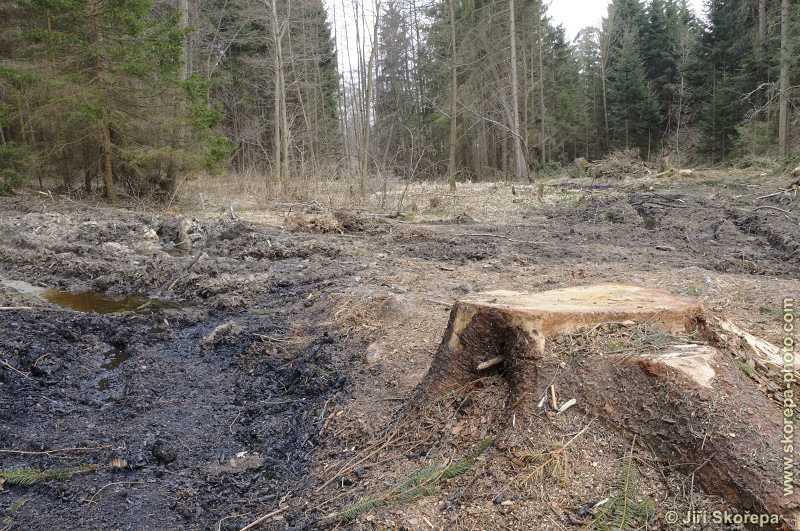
(489, 363)
(568, 404)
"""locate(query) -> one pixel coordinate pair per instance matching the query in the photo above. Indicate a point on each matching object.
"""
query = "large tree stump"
(690, 403)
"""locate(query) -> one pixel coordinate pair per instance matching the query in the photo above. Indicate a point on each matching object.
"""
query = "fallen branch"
(773, 208)
(772, 194)
(218, 527)
(261, 519)
(4, 362)
(499, 236)
(196, 259)
(56, 451)
(553, 455)
(423, 483)
(440, 303)
(91, 500)
(28, 476)
(490, 363)
(667, 172)
(10, 308)
(352, 466)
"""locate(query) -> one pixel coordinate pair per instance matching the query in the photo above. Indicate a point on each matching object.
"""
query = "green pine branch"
(421, 484)
(28, 476)
(623, 511)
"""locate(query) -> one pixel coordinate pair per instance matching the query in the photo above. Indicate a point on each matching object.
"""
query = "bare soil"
(267, 368)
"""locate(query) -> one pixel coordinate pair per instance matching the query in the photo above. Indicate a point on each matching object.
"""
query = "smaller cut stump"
(693, 406)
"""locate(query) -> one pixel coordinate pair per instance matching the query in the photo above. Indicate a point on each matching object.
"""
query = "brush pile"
(619, 163)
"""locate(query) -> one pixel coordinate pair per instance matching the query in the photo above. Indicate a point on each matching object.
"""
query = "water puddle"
(650, 223)
(651, 219)
(92, 301)
(97, 302)
(114, 358)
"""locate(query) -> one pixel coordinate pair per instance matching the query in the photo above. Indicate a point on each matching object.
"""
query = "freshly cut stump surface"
(690, 403)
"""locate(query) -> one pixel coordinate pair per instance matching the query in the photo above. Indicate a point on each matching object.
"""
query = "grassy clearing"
(499, 201)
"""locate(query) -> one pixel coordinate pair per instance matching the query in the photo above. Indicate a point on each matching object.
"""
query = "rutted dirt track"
(276, 349)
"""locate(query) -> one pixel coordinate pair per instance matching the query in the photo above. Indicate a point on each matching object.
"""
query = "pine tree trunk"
(520, 169)
(607, 37)
(605, 103)
(451, 165)
(179, 130)
(108, 172)
(276, 111)
(542, 106)
(66, 176)
(280, 132)
(783, 118)
(762, 29)
(362, 184)
(311, 132)
(183, 25)
(105, 134)
(284, 119)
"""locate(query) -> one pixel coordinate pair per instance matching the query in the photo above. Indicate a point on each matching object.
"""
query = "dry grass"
(499, 201)
(422, 199)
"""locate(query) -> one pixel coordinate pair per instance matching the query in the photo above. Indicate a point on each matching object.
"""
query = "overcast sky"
(577, 14)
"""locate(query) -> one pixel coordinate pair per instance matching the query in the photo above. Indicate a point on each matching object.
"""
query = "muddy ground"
(261, 370)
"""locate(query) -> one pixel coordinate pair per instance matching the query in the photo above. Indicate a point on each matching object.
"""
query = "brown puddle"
(114, 358)
(96, 302)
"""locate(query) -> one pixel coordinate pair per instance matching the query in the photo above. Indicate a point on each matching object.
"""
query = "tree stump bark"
(690, 403)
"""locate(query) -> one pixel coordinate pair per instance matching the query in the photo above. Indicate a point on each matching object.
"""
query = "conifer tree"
(110, 77)
(718, 80)
(632, 108)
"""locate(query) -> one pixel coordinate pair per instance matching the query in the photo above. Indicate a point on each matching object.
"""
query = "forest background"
(134, 97)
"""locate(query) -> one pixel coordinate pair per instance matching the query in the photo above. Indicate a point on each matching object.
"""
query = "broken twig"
(498, 236)
(186, 270)
(56, 451)
(261, 519)
(490, 363)
(91, 500)
(566, 405)
(4, 362)
(772, 194)
(773, 208)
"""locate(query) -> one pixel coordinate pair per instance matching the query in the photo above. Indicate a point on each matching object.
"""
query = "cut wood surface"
(689, 402)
